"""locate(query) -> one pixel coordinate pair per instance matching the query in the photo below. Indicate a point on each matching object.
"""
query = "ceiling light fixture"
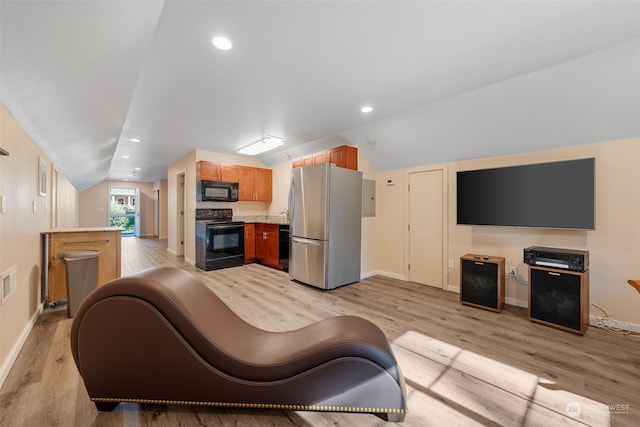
(222, 43)
(366, 109)
(134, 139)
(126, 156)
(260, 146)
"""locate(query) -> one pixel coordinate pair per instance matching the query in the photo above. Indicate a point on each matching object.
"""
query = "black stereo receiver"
(567, 259)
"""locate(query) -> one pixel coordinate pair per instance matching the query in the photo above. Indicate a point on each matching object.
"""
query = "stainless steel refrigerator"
(325, 211)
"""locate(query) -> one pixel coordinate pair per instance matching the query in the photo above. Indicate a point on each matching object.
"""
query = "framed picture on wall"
(42, 176)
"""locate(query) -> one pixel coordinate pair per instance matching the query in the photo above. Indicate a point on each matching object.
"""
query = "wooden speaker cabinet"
(482, 281)
(559, 298)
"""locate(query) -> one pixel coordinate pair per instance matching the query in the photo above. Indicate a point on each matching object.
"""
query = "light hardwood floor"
(462, 365)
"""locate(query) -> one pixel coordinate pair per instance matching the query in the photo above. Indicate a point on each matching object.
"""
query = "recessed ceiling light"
(366, 109)
(137, 169)
(134, 139)
(222, 43)
(125, 156)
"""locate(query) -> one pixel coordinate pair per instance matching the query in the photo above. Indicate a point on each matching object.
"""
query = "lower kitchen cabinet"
(249, 243)
(267, 250)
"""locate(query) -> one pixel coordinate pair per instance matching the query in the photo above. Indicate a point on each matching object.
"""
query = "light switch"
(3, 204)
(35, 206)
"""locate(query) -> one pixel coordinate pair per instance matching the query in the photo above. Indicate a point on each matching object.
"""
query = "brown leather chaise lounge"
(162, 336)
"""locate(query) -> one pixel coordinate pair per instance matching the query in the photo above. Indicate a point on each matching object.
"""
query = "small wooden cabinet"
(482, 281)
(107, 240)
(559, 298)
(344, 156)
(214, 171)
(267, 249)
(255, 184)
(249, 243)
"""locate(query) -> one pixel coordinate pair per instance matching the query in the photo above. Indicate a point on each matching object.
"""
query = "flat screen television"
(543, 195)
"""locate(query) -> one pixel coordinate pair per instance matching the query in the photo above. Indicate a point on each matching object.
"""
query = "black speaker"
(559, 298)
(482, 281)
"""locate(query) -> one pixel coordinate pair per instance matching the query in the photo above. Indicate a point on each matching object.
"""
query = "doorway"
(426, 231)
(124, 210)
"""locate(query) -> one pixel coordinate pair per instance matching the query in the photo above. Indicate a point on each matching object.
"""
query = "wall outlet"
(513, 271)
(3, 204)
(35, 207)
(451, 265)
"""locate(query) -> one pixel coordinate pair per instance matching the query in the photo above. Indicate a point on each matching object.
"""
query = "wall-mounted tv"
(544, 195)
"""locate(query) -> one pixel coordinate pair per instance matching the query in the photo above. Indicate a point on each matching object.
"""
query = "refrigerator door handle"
(305, 241)
(292, 199)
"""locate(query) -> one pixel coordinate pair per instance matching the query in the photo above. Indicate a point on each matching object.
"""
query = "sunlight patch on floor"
(452, 386)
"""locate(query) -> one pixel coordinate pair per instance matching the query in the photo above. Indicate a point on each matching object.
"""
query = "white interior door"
(425, 228)
(156, 213)
(180, 217)
(138, 221)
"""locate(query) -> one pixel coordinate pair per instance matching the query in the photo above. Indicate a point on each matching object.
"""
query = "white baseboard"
(516, 302)
(171, 251)
(382, 273)
(455, 289)
(15, 350)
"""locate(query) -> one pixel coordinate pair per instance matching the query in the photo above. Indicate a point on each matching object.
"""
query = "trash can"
(82, 276)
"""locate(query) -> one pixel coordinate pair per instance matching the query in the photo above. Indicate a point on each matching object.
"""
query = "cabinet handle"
(87, 242)
(479, 263)
(551, 273)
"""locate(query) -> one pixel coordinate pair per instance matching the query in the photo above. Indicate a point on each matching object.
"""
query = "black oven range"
(219, 239)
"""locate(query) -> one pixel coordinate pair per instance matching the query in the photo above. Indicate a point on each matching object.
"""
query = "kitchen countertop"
(264, 219)
(82, 230)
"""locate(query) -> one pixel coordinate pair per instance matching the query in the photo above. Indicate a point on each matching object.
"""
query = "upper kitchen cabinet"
(254, 184)
(344, 156)
(214, 171)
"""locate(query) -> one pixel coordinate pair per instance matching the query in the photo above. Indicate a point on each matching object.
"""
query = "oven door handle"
(225, 227)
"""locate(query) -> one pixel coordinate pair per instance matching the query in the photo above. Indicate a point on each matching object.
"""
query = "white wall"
(95, 204)
(20, 228)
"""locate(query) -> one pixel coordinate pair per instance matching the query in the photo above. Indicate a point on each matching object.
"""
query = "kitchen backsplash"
(269, 219)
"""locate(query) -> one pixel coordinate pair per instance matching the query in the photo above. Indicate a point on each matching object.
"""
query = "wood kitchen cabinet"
(104, 239)
(254, 184)
(267, 250)
(214, 171)
(344, 156)
(302, 161)
(249, 243)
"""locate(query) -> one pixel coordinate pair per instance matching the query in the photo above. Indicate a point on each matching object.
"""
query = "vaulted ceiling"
(447, 80)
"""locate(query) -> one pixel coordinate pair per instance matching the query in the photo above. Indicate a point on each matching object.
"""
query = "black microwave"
(218, 191)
